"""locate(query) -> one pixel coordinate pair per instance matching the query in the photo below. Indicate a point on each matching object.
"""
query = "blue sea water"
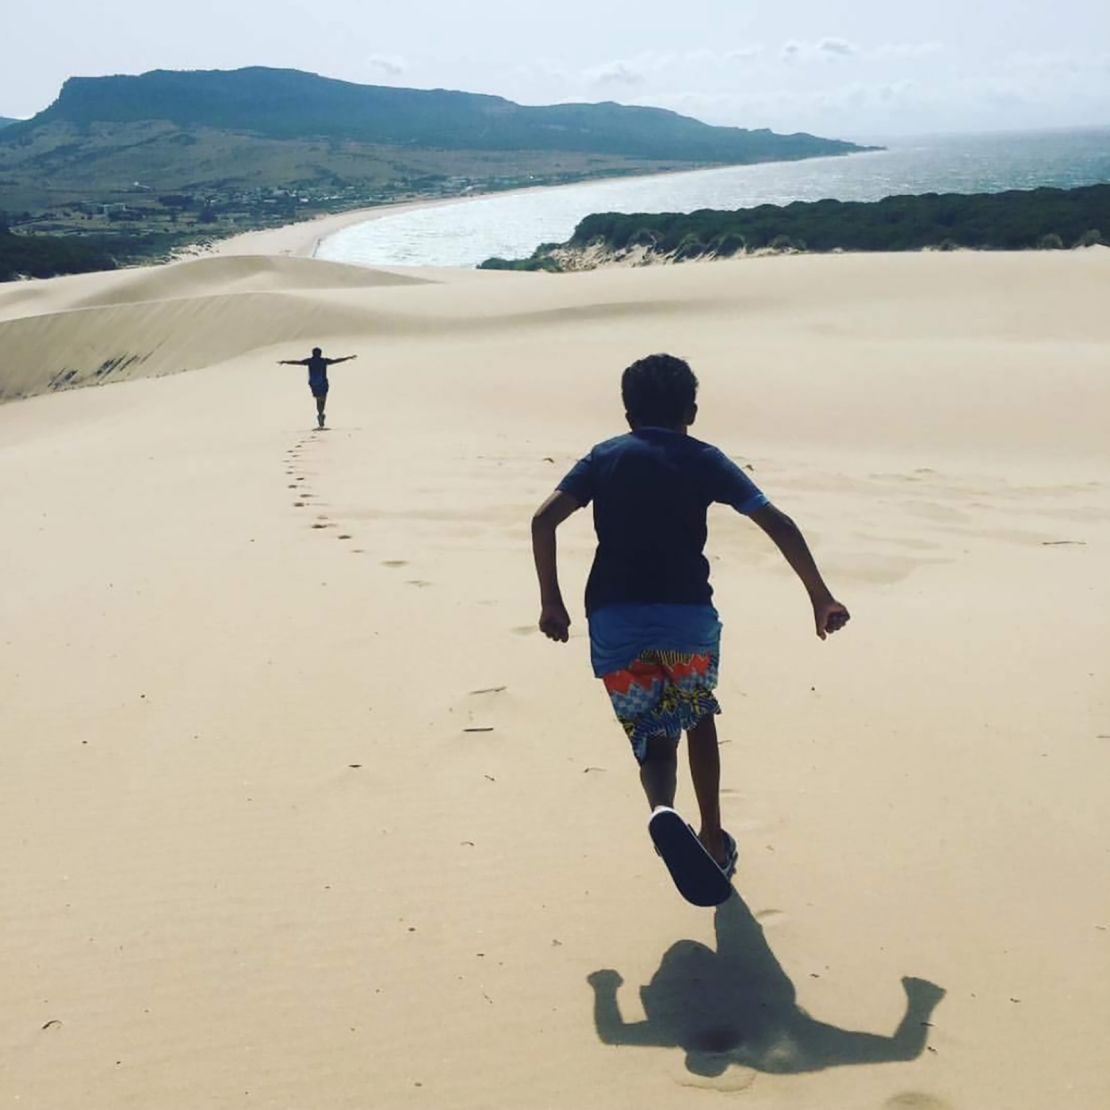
(512, 225)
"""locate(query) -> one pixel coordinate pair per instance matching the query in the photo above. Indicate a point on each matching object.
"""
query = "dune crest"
(100, 328)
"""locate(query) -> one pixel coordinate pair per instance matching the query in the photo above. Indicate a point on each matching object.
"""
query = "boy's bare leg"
(705, 770)
(659, 771)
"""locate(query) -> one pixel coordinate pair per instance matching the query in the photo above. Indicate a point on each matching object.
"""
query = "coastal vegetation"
(1015, 220)
(257, 147)
(41, 256)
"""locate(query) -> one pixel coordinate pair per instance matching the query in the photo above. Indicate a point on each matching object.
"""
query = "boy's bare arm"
(554, 618)
(293, 362)
(345, 358)
(828, 614)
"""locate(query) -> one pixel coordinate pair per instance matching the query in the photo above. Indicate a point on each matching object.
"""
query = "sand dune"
(256, 852)
(155, 321)
(247, 274)
(205, 277)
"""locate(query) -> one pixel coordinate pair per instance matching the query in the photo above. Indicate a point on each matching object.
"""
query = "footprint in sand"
(322, 524)
(916, 1100)
(419, 583)
(343, 536)
(523, 629)
(298, 504)
(395, 563)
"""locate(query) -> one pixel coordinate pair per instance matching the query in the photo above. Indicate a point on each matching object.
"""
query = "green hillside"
(289, 104)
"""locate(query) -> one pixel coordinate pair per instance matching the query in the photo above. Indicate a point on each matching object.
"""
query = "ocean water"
(512, 225)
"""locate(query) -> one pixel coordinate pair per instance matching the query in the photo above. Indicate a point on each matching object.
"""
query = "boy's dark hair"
(659, 390)
(316, 351)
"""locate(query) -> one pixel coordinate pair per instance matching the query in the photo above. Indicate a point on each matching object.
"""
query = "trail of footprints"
(298, 484)
(305, 498)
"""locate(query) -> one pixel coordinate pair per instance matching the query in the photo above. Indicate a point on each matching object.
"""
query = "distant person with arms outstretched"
(654, 633)
(317, 377)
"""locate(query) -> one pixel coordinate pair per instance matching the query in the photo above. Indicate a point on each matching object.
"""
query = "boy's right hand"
(829, 616)
(555, 622)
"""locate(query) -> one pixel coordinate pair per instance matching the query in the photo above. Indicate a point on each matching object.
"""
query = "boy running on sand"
(654, 633)
(317, 377)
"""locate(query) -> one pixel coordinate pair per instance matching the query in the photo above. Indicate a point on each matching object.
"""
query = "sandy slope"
(96, 328)
(254, 857)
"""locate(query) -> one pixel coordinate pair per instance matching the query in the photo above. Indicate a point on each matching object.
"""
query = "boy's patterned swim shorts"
(662, 693)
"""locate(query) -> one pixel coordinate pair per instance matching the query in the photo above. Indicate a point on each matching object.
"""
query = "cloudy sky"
(857, 69)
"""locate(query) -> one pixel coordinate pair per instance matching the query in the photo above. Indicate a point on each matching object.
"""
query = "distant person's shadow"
(737, 1006)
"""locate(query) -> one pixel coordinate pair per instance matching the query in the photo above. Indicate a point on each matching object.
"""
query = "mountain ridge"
(289, 103)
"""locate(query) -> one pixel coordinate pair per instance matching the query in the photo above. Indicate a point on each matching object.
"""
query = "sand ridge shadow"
(738, 1006)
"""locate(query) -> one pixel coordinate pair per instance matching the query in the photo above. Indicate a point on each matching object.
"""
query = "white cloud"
(836, 48)
(637, 70)
(826, 49)
(1034, 65)
(847, 88)
(896, 50)
(543, 68)
(616, 73)
(744, 53)
(831, 49)
(389, 64)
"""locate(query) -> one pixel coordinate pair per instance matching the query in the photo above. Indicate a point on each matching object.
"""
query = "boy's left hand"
(555, 622)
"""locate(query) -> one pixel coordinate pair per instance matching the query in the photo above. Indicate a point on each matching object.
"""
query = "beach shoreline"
(303, 238)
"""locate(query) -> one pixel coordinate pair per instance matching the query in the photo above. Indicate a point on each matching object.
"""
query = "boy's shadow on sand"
(737, 1006)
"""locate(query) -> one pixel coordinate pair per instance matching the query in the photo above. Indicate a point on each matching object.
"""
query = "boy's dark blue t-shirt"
(651, 490)
(318, 370)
